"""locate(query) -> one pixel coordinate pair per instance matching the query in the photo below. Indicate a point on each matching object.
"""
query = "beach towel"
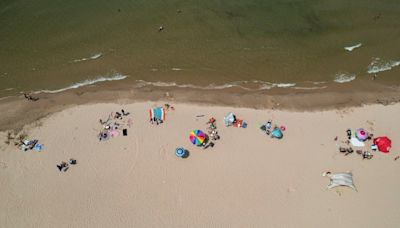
(341, 179)
(238, 123)
(157, 114)
(114, 133)
(357, 143)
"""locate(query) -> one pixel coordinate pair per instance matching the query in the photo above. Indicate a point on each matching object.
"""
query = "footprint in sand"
(3, 165)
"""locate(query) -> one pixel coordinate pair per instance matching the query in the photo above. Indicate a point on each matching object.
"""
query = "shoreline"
(19, 112)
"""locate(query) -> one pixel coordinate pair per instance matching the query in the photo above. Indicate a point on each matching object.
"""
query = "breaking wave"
(254, 85)
(377, 65)
(114, 77)
(92, 57)
(344, 77)
(351, 48)
(176, 69)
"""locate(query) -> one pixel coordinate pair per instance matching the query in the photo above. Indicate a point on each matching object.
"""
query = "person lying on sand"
(118, 116)
(211, 144)
(63, 166)
(30, 98)
(124, 113)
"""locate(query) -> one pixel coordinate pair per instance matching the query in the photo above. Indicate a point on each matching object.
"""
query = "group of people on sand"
(113, 124)
(346, 150)
(64, 166)
(212, 133)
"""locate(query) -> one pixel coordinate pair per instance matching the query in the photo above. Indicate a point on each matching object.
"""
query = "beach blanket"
(341, 179)
(157, 113)
(357, 143)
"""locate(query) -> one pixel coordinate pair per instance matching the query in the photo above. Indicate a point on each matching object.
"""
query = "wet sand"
(17, 111)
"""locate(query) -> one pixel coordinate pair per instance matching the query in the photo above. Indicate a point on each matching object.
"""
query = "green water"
(217, 42)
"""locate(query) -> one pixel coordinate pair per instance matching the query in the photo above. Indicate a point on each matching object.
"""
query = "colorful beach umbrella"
(383, 143)
(197, 137)
(361, 134)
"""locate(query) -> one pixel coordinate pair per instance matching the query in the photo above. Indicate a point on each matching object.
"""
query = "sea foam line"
(92, 57)
(114, 77)
(344, 77)
(245, 85)
(351, 48)
(377, 65)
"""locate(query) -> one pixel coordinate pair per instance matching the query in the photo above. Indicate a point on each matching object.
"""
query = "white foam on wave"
(92, 57)
(309, 88)
(176, 69)
(114, 77)
(377, 65)
(351, 48)
(344, 77)
(245, 85)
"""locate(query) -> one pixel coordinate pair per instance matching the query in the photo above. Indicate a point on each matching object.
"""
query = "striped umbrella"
(197, 137)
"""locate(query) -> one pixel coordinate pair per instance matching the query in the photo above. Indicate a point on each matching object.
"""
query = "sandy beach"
(246, 180)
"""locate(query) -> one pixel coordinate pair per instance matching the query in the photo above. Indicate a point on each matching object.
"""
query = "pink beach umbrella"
(361, 134)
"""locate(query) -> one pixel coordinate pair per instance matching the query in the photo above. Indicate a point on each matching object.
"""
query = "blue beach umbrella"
(277, 133)
(180, 152)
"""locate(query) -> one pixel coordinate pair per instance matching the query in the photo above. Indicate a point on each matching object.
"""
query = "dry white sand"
(246, 180)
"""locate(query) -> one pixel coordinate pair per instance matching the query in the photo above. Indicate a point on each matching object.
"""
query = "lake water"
(262, 44)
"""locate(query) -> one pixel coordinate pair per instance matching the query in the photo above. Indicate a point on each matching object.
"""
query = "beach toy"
(180, 152)
(361, 134)
(197, 137)
(374, 147)
(283, 128)
(244, 125)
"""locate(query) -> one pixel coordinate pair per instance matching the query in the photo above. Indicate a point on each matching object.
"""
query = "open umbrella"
(383, 143)
(277, 133)
(180, 152)
(361, 134)
(197, 137)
